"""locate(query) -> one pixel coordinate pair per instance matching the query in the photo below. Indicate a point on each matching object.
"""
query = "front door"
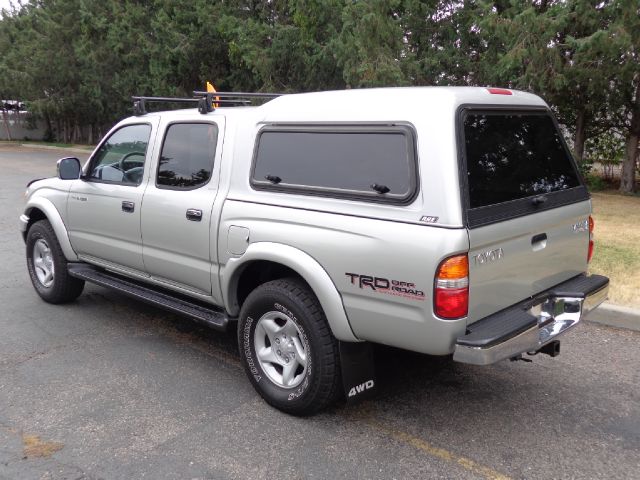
(178, 247)
(103, 207)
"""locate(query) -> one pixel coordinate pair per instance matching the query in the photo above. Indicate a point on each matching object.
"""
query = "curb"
(51, 147)
(615, 316)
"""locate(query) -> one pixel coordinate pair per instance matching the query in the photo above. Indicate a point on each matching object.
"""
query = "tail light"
(590, 252)
(499, 91)
(451, 293)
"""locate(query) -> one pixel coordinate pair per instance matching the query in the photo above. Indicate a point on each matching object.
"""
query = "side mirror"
(69, 168)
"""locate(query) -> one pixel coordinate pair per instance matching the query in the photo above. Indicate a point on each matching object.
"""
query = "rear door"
(177, 222)
(527, 208)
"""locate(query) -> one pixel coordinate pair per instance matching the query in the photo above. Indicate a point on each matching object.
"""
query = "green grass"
(617, 247)
(612, 257)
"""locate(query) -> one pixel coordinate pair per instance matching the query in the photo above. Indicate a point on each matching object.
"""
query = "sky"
(5, 4)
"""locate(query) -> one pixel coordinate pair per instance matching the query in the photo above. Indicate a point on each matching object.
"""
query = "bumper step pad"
(530, 325)
(160, 298)
(497, 328)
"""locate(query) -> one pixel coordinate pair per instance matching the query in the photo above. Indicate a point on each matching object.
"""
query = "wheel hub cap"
(280, 349)
(43, 262)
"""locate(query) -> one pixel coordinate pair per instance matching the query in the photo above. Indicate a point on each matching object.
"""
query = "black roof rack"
(206, 101)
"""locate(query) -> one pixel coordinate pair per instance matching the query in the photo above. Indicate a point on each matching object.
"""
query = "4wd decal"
(361, 388)
(387, 286)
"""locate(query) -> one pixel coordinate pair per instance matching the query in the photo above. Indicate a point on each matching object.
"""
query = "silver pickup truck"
(439, 220)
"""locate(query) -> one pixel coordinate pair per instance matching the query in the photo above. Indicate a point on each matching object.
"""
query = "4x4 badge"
(581, 226)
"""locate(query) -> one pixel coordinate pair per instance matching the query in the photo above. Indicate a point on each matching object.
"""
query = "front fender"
(302, 263)
(52, 214)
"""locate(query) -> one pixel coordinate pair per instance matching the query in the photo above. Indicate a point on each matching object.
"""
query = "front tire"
(47, 266)
(287, 348)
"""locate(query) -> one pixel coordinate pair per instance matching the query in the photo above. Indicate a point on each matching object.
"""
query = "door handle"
(128, 207)
(194, 214)
(538, 238)
(538, 242)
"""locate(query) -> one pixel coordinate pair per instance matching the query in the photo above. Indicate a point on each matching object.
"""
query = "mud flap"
(358, 371)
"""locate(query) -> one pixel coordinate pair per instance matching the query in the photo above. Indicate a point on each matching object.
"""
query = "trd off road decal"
(387, 286)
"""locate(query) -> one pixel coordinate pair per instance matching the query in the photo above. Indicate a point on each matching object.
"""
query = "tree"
(626, 83)
(443, 43)
(559, 50)
(370, 45)
(283, 46)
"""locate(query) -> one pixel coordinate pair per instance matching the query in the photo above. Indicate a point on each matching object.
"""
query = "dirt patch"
(33, 447)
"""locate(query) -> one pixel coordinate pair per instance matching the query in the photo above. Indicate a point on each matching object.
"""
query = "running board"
(209, 316)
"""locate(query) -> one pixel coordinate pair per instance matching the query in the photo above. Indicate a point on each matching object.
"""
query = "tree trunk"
(49, 135)
(5, 117)
(628, 175)
(580, 138)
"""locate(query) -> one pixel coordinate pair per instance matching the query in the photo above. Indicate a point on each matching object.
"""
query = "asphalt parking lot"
(108, 388)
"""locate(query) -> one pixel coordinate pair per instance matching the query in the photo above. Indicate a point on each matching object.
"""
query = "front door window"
(120, 159)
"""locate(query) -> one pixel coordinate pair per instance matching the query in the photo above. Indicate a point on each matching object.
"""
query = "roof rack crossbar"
(238, 94)
(206, 101)
(139, 103)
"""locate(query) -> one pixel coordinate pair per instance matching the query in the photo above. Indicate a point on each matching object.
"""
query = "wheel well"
(35, 215)
(259, 272)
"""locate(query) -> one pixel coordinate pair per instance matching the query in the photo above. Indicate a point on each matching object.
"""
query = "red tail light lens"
(452, 304)
(591, 226)
(451, 293)
(499, 91)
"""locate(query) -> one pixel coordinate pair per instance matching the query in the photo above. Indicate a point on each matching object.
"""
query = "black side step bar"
(209, 316)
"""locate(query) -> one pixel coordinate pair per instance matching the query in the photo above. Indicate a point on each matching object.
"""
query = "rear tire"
(47, 266)
(287, 348)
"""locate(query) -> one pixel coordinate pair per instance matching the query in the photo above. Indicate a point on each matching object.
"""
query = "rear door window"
(188, 152)
(373, 164)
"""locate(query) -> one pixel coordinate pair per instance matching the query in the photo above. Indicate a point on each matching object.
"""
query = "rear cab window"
(516, 163)
(366, 163)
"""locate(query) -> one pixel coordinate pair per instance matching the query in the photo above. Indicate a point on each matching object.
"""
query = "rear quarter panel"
(383, 270)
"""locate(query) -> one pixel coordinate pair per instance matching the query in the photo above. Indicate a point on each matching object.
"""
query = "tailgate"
(516, 259)
(527, 208)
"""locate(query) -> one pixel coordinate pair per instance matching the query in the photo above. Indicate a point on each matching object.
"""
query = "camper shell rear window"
(516, 163)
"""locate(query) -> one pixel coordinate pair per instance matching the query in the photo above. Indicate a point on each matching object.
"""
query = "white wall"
(20, 128)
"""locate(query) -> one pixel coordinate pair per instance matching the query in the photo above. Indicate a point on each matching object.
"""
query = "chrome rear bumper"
(536, 323)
